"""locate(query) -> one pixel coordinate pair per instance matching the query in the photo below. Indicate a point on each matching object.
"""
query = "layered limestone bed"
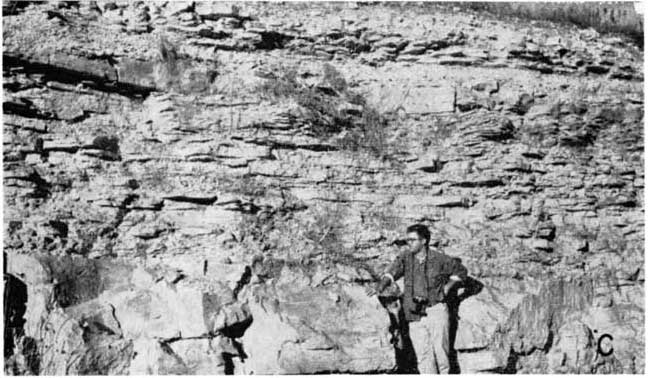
(198, 188)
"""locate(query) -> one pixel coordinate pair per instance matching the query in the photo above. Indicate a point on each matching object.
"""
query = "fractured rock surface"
(206, 188)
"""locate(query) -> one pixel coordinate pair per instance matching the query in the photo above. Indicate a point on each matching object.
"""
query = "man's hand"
(447, 287)
(380, 286)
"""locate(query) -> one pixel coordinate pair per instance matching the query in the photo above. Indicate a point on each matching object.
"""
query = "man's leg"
(440, 337)
(420, 336)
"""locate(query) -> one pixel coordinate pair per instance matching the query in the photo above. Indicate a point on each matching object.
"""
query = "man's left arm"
(458, 274)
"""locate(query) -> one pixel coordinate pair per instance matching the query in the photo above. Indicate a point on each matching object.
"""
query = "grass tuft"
(332, 109)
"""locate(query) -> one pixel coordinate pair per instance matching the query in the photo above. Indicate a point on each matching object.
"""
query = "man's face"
(414, 242)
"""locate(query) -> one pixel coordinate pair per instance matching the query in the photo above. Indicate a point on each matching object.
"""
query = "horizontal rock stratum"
(207, 188)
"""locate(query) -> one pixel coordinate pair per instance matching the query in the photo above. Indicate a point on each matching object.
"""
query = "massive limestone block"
(72, 343)
(298, 329)
(533, 322)
(624, 322)
(480, 362)
(94, 316)
(479, 317)
(574, 347)
(118, 144)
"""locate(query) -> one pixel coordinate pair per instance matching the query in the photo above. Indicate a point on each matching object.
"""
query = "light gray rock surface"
(197, 188)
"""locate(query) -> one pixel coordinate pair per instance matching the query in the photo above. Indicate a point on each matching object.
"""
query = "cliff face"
(197, 188)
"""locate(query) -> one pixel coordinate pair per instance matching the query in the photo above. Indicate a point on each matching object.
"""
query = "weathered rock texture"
(198, 188)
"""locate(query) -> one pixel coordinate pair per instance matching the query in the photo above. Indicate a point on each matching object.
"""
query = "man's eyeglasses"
(412, 240)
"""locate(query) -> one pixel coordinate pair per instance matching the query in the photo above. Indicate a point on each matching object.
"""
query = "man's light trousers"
(431, 340)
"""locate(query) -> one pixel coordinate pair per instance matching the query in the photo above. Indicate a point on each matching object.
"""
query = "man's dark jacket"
(438, 268)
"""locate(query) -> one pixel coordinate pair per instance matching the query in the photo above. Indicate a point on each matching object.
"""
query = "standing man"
(430, 275)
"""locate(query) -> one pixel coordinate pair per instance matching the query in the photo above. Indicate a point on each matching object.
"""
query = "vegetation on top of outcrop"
(605, 17)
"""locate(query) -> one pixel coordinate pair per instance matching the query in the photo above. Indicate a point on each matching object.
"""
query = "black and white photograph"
(308, 187)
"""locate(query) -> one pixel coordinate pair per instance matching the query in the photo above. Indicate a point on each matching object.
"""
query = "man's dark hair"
(421, 230)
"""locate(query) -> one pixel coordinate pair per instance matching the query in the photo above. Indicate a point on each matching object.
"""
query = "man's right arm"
(394, 272)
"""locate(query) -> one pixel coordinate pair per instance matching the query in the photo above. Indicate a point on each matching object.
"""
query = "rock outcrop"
(198, 188)
(303, 328)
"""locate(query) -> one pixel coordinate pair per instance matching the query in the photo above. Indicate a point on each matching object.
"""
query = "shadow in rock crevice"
(70, 76)
(228, 358)
(20, 352)
(15, 299)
